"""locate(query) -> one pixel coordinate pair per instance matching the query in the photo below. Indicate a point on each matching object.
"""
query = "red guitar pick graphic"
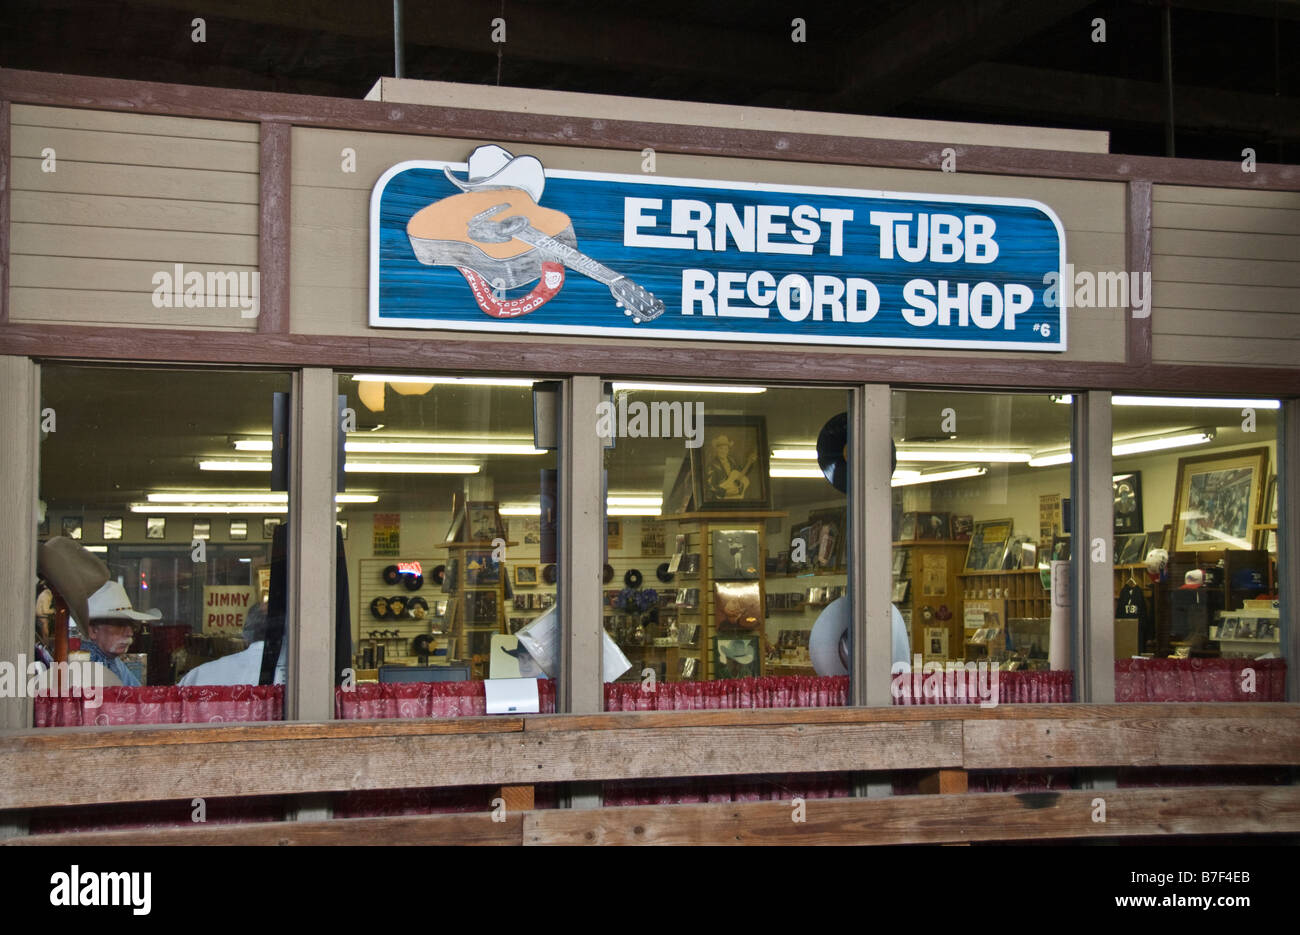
(513, 308)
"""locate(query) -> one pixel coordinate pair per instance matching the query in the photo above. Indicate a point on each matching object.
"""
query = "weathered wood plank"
(1277, 326)
(1221, 297)
(119, 212)
(418, 830)
(945, 782)
(116, 243)
(1249, 220)
(927, 819)
(135, 149)
(1227, 244)
(1137, 260)
(273, 227)
(138, 181)
(1138, 741)
(1228, 271)
(149, 124)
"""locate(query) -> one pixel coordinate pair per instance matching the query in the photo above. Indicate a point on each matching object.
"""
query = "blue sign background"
(406, 293)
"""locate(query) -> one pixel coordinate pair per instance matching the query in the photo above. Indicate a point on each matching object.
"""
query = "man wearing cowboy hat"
(720, 470)
(110, 628)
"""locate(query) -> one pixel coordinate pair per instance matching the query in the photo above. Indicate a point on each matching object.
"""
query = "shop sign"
(224, 608)
(500, 244)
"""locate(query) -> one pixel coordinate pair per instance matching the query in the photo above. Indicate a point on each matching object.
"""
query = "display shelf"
(932, 567)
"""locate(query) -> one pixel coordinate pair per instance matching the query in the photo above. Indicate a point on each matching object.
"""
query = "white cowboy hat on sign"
(493, 167)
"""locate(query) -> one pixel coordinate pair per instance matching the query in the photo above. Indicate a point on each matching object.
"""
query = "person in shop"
(244, 667)
(44, 627)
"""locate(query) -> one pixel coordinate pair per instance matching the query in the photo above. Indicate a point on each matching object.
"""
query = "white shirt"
(242, 668)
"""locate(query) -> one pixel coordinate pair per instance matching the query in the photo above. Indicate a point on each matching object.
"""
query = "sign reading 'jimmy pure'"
(500, 244)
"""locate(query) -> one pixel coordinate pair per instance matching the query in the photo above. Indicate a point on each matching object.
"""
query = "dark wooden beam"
(460, 123)
(931, 40)
(4, 209)
(1137, 252)
(544, 356)
(273, 226)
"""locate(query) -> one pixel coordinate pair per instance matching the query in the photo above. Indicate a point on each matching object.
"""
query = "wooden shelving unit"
(932, 568)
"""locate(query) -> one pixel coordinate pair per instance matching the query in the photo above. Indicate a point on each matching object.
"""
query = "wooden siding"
(132, 195)
(1226, 277)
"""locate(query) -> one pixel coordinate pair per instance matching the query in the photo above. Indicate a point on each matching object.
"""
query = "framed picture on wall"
(614, 533)
(268, 526)
(1218, 499)
(155, 527)
(71, 527)
(1127, 492)
(932, 526)
(731, 466)
(238, 529)
(112, 527)
(988, 545)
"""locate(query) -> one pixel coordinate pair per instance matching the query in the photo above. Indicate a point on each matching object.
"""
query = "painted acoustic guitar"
(505, 236)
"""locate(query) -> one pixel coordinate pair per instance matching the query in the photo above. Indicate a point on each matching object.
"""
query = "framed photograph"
(481, 607)
(526, 576)
(1126, 489)
(962, 526)
(731, 467)
(736, 657)
(652, 537)
(900, 562)
(614, 533)
(450, 576)
(1060, 548)
(1133, 552)
(481, 568)
(71, 526)
(155, 527)
(737, 605)
(1218, 499)
(932, 526)
(907, 528)
(735, 554)
(202, 529)
(901, 587)
(483, 521)
(1015, 552)
(679, 486)
(112, 528)
(1228, 630)
(828, 546)
(268, 526)
(988, 545)
(238, 529)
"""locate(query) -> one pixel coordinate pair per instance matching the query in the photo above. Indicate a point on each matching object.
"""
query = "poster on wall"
(386, 538)
(224, 608)
(500, 244)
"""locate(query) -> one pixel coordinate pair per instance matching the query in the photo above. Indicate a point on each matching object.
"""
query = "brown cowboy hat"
(73, 572)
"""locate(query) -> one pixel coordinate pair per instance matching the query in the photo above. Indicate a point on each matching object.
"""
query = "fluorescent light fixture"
(409, 467)
(642, 501)
(1206, 402)
(688, 388)
(96, 548)
(632, 511)
(963, 454)
(935, 476)
(439, 381)
(245, 559)
(209, 508)
(248, 465)
(795, 454)
(380, 446)
(1052, 459)
(520, 509)
(1133, 446)
(208, 496)
(795, 471)
(903, 475)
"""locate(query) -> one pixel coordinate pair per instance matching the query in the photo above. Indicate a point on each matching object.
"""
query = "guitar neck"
(574, 259)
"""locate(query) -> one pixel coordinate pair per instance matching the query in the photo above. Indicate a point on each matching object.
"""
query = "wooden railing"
(43, 769)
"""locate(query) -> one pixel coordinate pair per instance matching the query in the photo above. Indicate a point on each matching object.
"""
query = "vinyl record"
(663, 574)
(379, 608)
(632, 579)
(422, 644)
(438, 574)
(832, 451)
(418, 608)
(391, 575)
(548, 574)
(608, 574)
(413, 582)
(396, 607)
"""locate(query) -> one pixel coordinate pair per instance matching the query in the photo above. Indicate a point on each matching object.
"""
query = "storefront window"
(726, 546)
(451, 558)
(982, 545)
(1195, 550)
(163, 533)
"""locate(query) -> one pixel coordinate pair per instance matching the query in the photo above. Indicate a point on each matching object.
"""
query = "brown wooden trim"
(776, 364)
(518, 798)
(438, 830)
(944, 782)
(5, 144)
(921, 819)
(42, 769)
(1137, 248)
(30, 87)
(897, 820)
(275, 166)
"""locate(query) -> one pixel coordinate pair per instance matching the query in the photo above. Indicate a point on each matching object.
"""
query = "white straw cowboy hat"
(493, 167)
(111, 603)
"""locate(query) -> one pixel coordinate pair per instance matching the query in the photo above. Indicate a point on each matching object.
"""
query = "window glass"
(451, 525)
(163, 529)
(982, 543)
(726, 545)
(1195, 550)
